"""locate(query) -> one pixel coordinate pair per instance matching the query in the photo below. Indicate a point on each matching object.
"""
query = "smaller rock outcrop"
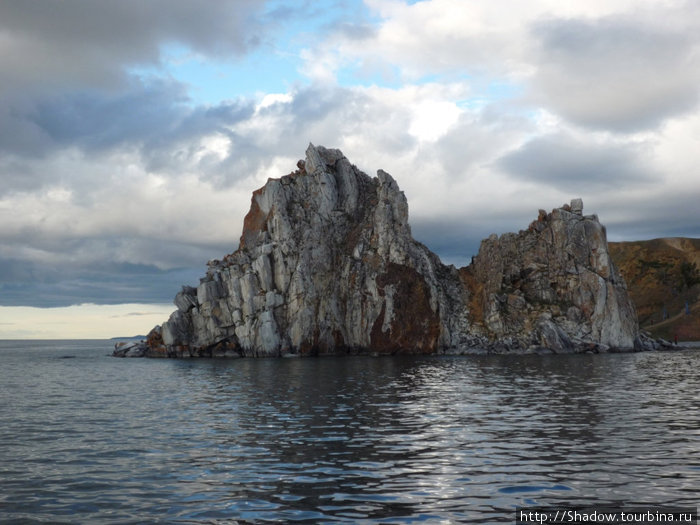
(130, 349)
(552, 286)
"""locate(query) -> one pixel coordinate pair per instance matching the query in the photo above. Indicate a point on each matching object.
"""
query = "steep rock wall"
(326, 264)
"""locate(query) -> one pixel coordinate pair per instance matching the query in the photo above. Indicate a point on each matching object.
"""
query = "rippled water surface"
(86, 438)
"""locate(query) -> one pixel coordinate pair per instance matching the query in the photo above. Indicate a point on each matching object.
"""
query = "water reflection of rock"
(324, 428)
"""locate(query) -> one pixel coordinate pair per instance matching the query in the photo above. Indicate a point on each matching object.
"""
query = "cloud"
(88, 78)
(24, 283)
(614, 73)
(94, 121)
(149, 115)
(571, 164)
(50, 46)
(134, 314)
(479, 138)
(620, 66)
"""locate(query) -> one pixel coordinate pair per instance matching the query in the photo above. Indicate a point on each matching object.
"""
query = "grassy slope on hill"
(663, 275)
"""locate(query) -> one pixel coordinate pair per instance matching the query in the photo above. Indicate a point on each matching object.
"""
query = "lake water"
(87, 438)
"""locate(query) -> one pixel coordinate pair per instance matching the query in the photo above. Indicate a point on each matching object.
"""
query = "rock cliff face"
(552, 285)
(327, 264)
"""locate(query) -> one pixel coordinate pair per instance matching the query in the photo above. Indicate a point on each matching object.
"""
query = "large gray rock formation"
(327, 264)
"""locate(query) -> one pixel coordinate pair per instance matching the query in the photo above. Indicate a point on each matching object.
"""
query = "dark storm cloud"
(617, 74)
(152, 119)
(671, 214)
(75, 271)
(18, 175)
(24, 283)
(169, 148)
(52, 250)
(68, 81)
(152, 115)
(569, 165)
(77, 42)
(454, 242)
(95, 120)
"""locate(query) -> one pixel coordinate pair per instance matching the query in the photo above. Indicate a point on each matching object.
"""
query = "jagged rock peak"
(327, 264)
(326, 183)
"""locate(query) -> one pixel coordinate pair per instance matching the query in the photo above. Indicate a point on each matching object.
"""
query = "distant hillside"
(663, 275)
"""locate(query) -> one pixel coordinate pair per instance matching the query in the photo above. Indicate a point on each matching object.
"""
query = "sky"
(133, 133)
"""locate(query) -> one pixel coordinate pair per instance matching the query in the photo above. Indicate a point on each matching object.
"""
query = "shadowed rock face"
(327, 264)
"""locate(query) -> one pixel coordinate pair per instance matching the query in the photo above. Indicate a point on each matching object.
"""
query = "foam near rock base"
(327, 264)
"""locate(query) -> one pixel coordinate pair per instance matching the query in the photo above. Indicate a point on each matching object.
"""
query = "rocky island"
(327, 265)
